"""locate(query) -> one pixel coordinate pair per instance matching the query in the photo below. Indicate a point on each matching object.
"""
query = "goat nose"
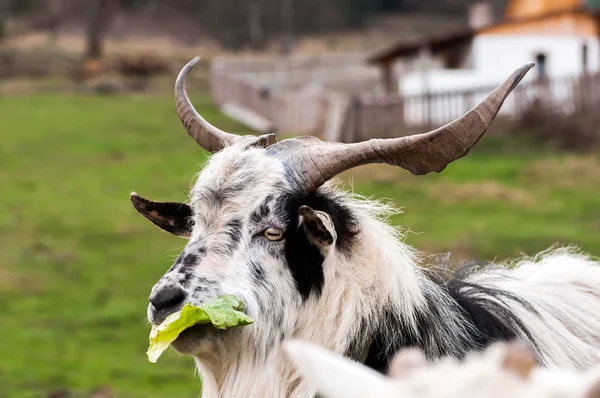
(167, 297)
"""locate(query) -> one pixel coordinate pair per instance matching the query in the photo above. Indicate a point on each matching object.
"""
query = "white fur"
(480, 375)
(381, 273)
(564, 287)
(321, 367)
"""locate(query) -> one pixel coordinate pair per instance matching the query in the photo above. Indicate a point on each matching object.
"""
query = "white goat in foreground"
(313, 262)
(502, 370)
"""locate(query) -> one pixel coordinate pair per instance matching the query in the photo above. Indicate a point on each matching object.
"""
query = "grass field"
(78, 262)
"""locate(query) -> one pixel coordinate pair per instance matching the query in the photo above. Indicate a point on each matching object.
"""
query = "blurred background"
(87, 115)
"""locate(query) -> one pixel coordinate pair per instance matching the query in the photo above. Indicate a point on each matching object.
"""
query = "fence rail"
(292, 93)
(288, 112)
(369, 115)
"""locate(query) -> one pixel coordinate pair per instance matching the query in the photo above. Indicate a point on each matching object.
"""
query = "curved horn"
(206, 135)
(312, 162)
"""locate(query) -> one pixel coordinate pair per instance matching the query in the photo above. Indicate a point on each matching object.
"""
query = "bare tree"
(100, 17)
(255, 27)
(55, 8)
(4, 8)
(287, 23)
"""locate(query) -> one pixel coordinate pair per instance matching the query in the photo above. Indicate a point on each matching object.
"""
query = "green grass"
(78, 262)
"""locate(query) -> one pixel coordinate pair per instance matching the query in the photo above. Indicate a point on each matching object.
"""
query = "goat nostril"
(167, 297)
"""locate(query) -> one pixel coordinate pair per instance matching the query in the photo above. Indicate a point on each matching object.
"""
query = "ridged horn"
(311, 162)
(206, 135)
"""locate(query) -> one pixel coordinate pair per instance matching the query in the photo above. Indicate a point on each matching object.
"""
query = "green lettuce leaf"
(223, 312)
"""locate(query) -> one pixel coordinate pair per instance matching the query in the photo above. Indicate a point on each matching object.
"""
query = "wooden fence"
(297, 112)
(292, 93)
(349, 118)
(370, 116)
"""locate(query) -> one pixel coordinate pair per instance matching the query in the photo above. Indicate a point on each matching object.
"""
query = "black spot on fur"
(185, 278)
(483, 309)
(189, 260)
(262, 211)
(206, 282)
(218, 196)
(205, 287)
(199, 289)
(233, 230)
(304, 259)
(257, 272)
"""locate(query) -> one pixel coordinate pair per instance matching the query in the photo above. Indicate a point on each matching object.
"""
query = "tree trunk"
(55, 7)
(4, 7)
(100, 17)
(255, 28)
(287, 22)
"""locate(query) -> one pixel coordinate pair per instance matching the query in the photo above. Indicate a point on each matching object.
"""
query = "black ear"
(318, 226)
(172, 217)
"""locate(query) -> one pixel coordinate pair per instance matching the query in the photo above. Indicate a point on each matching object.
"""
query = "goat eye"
(274, 234)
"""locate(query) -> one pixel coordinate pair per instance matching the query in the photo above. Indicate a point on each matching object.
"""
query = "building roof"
(412, 47)
(452, 39)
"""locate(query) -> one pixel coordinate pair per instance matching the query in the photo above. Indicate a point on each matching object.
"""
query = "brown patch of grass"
(568, 172)
(451, 193)
(11, 281)
(104, 392)
(24, 86)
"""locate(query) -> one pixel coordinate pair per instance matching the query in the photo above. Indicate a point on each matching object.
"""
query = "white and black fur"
(501, 370)
(365, 296)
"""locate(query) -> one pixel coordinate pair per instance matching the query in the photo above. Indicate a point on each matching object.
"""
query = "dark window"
(540, 63)
(584, 57)
(452, 59)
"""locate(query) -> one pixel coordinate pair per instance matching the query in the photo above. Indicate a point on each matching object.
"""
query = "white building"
(560, 36)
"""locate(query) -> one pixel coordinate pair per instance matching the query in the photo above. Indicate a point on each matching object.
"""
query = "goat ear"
(334, 376)
(172, 217)
(318, 226)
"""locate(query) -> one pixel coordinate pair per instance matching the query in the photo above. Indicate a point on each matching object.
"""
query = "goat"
(502, 370)
(266, 222)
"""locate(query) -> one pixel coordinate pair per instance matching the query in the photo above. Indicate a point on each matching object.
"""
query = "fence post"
(357, 109)
(348, 123)
(586, 91)
(429, 108)
(518, 102)
(467, 102)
